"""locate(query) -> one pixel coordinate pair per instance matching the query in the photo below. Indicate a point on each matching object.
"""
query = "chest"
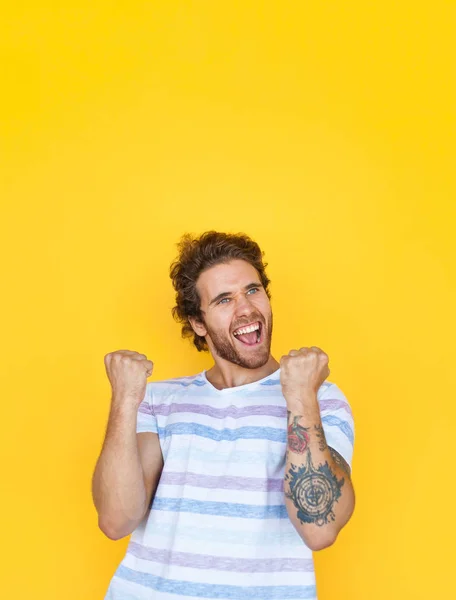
(238, 438)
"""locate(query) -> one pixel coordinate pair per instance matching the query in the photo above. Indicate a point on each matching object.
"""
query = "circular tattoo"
(313, 491)
(315, 497)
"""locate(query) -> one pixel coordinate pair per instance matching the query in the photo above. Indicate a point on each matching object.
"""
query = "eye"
(252, 290)
(222, 301)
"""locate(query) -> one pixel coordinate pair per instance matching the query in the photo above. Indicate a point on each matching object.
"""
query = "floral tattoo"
(298, 438)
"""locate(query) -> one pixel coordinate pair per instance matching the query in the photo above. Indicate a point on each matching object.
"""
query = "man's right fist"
(128, 372)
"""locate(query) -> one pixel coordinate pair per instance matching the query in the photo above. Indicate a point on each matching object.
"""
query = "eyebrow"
(248, 287)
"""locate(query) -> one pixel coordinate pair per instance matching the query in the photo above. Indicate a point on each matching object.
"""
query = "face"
(237, 316)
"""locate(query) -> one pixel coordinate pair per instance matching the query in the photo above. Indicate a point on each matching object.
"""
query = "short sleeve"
(146, 417)
(337, 420)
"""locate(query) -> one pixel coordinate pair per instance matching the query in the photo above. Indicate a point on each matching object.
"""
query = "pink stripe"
(145, 408)
(221, 563)
(335, 404)
(221, 413)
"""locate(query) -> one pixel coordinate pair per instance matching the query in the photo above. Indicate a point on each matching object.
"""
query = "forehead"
(226, 277)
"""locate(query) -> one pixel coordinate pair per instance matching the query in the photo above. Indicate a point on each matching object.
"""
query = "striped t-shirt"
(218, 526)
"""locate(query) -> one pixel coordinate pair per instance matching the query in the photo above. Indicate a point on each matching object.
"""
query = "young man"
(229, 479)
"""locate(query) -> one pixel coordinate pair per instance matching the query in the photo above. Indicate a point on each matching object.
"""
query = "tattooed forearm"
(313, 491)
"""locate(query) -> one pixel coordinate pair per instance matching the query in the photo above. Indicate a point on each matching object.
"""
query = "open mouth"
(249, 335)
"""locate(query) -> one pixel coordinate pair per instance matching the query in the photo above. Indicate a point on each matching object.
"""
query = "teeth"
(248, 329)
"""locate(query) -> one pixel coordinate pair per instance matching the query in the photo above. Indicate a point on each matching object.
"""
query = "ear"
(198, 327)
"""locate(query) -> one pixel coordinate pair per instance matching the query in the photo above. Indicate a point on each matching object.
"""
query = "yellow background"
(325, 130)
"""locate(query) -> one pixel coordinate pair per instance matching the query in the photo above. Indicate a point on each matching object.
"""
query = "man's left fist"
(302, 372)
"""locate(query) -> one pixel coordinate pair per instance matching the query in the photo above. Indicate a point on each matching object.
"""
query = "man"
(229, 479)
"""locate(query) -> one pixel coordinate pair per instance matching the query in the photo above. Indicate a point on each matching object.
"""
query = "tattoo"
(322, 445)
(340, 461)
(313, 491)
(298, 438)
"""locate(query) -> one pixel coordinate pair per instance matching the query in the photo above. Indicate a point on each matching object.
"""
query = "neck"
(226, 375)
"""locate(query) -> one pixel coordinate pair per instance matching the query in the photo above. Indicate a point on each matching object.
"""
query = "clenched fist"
(302, 372)
(128, 372)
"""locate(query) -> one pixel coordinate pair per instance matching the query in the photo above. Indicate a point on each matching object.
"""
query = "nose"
(244, 306)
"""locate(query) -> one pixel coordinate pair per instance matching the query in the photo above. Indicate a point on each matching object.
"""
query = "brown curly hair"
(199, 254)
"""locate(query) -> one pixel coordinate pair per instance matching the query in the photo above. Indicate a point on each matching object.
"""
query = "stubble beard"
(225, 348)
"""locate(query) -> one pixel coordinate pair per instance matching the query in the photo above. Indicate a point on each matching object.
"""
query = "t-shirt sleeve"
(146, 417)
(337, 421)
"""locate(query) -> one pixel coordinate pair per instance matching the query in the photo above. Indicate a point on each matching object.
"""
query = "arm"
(126, 475)
(318, 489)
(130, 463)
(319, 494)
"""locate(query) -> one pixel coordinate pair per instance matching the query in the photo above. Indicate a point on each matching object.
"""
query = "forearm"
(319, 494)
(118, 486)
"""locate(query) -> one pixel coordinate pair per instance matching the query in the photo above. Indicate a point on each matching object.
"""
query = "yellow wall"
(326, 130)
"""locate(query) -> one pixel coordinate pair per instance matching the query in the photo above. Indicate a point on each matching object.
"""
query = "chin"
(255, 362)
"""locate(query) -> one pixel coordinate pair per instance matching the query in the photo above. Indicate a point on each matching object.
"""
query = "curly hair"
(197, 254)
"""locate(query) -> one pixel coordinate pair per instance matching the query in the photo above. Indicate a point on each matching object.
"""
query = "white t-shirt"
(218, 526)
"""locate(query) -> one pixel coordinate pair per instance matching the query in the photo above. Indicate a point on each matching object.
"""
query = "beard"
(225, 347)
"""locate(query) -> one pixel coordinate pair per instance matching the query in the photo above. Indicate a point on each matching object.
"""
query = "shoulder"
(330, 390)
(337, 420)
(333, 400)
